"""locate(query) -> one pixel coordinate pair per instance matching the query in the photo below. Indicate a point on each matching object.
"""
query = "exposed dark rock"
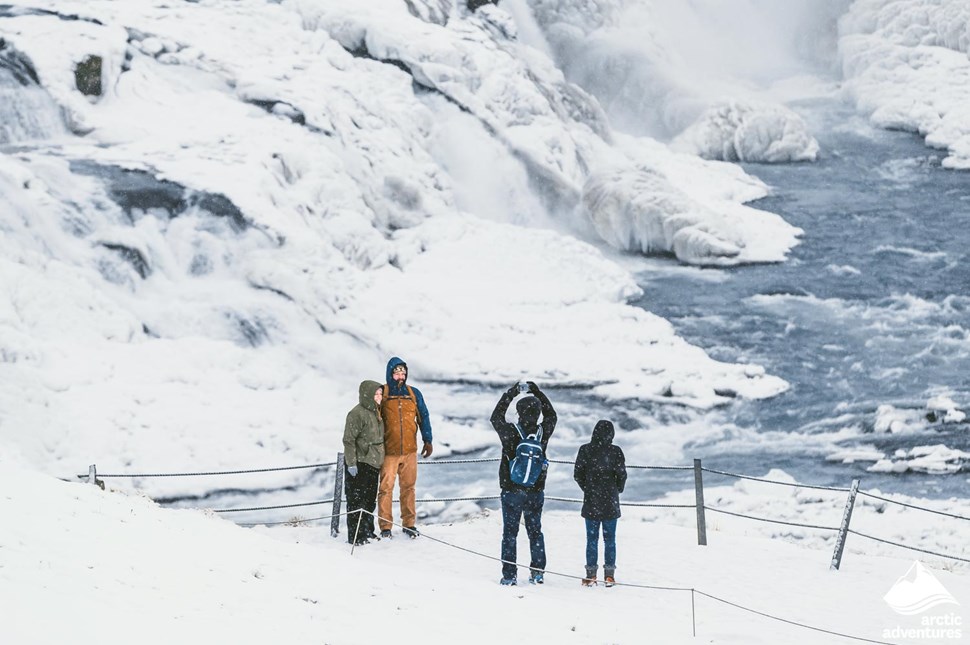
(280, 108)
(12, 11)
(362, 52)
(220, 206)
(87, 76)
(132, 256)
(475, 4)
(17, 64)
(139, 190)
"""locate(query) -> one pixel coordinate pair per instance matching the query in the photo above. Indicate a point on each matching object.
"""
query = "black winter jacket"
(509, 435)
(601, 473)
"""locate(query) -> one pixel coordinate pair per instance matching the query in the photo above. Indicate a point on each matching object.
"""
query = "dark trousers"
(609, 543)
(515, 503)
(361, 493)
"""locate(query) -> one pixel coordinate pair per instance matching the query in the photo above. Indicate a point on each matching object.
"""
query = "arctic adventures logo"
(917, 593)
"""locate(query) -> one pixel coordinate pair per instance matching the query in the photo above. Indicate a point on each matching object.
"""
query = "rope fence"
(632, 585)
(775, 481)
(919, 508)
(213, 472)
(765, 519)
(698, 470)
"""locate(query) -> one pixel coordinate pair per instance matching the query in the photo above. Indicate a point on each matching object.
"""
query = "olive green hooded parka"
(364, 430)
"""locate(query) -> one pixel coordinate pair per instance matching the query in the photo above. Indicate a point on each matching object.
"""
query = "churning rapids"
(870, 310)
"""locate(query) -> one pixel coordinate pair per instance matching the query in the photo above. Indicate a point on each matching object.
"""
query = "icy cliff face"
(261, 202)
(905, 64)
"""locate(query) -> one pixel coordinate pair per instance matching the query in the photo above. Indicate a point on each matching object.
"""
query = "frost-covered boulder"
(640, 211)
(749, 131)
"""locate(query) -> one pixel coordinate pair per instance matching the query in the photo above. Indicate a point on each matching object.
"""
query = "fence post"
(93, 477)
(844, 529)
(338, 490)
(699, 497)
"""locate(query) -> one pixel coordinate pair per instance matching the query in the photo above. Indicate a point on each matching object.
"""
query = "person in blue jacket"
(600, 472)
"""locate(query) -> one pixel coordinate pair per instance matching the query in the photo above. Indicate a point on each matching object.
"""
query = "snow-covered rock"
(749, 131)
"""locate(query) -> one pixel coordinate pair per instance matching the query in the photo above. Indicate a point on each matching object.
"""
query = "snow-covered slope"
(255, 205)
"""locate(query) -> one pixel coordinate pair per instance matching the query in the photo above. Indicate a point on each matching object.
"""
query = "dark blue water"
(871, 309)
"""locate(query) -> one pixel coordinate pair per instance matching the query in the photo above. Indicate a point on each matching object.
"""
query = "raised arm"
(498, 414)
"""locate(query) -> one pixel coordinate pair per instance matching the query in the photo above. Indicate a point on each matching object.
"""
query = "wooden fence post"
(338, 491)
(699, 499)
(93, 477)
(844, 529)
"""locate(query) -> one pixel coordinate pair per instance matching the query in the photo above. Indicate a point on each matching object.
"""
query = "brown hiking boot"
(610, 581)
(589, 582)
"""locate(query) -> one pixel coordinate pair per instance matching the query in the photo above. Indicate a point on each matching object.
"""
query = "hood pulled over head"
(603, 433)
(391, 364)
(528, 409)
(366, 392)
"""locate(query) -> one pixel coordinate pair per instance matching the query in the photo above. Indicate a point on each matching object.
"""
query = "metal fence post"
(338, 490)
(699, 498)
(844, 529)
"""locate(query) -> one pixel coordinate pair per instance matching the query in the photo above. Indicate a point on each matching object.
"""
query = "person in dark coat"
(601, 473)
(517, 499)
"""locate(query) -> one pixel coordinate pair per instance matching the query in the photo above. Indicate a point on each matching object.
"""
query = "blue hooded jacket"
(400, 390)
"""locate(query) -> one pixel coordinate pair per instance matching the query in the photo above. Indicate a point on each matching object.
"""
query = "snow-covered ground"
(84, 565)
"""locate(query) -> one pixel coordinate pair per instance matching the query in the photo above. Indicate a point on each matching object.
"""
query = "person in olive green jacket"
(363, 457)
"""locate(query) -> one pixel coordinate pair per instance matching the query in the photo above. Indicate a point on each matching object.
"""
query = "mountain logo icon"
(917, 591)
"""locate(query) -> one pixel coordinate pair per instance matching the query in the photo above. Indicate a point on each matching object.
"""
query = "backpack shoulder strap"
(414, 400)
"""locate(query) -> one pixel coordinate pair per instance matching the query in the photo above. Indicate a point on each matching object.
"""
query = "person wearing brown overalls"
(404, 412)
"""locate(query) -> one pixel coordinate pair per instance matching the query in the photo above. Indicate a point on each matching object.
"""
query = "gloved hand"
(427, 450)
(533, 388)
(352, 471)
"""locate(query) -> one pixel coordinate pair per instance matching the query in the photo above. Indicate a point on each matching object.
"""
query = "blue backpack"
(529, 461)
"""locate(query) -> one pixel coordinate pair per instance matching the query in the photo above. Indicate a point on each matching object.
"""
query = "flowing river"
(871, 309)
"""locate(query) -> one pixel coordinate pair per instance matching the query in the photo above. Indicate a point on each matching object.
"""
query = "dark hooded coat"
(601, 473)
(528, 409)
